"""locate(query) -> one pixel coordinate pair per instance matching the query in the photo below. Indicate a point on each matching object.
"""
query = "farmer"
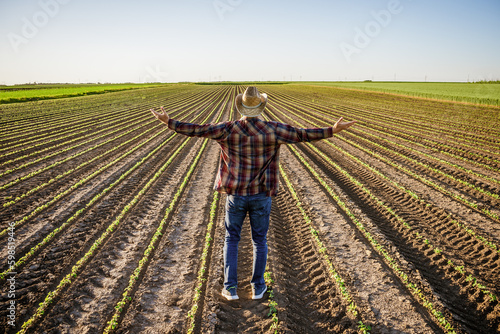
(248, 174)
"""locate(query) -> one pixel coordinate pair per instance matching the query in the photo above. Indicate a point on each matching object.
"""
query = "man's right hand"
(339, 125)
(161, 116)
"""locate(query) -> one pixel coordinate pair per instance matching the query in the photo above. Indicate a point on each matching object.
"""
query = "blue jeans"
(259, 208)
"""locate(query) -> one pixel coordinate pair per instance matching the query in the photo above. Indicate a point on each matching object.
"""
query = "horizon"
(64, 41)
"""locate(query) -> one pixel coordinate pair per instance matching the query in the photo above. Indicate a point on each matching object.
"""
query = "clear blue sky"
(202, 40)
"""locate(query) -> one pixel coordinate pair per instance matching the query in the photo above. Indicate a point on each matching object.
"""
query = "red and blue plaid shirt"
(249, 160)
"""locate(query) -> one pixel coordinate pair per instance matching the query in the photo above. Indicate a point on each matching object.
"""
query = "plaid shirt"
(249, 160)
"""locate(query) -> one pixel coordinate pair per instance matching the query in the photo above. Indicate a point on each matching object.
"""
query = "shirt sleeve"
(287, 134)
(212, 131)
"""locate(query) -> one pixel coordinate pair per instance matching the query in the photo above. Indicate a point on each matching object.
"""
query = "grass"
(479, 93)
(24, 93)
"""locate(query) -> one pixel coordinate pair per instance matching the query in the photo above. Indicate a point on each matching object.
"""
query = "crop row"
(416, 235)
(55, 232)
(60, 195)
(341, 286)
(94, 159)
(71, 157)
(406, 131)
(402, 168)
(444, 116)
(83, 127)
(391, 261)
(73, 111)
(133, 281)
(83, 261)
(480, 238)
(89, 122)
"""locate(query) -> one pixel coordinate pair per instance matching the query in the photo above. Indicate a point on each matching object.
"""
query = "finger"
(155, 113)
(340, 119)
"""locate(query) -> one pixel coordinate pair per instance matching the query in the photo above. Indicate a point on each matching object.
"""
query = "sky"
(79, 41)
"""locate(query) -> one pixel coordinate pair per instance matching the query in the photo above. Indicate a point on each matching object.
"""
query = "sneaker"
(258, 293)
(230, 293)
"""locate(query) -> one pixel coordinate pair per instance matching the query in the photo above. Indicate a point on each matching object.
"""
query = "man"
(248, 173)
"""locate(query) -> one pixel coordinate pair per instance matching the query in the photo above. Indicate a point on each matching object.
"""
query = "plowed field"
(109, 220)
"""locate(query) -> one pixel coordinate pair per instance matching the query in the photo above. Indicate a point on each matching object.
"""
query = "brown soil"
(308, 298)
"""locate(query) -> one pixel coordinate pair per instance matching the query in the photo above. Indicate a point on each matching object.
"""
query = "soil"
(443, 245)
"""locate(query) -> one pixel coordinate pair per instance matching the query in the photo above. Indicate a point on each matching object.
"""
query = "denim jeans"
(259, 208)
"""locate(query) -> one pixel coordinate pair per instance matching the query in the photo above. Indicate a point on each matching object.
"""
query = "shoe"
(258, 293)
(230, 293)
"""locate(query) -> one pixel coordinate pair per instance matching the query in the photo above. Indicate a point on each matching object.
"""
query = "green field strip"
(339, 281)
(89, 118)
(415, 130)
(81, 182)
(407, 131)
(65, 92)
(67, 172)
(142, 264)
(428, 126)
(416, 236)
(468, 229)
(413, 174)
(444, 91)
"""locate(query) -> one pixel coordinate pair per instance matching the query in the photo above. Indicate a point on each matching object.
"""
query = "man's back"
(250, 151)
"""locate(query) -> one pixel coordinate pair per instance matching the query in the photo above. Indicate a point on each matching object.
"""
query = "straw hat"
(251, 103)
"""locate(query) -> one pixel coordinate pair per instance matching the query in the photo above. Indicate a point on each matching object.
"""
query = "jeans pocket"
(261, 207)
(234, 204)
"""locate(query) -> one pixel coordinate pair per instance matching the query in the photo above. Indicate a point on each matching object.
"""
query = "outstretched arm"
(161, 116)
(339, 125)
(212, 131)
(288, 134)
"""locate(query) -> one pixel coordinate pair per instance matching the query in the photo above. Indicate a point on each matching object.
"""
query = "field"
(34, 92)
(109, 220)
(481, 93)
